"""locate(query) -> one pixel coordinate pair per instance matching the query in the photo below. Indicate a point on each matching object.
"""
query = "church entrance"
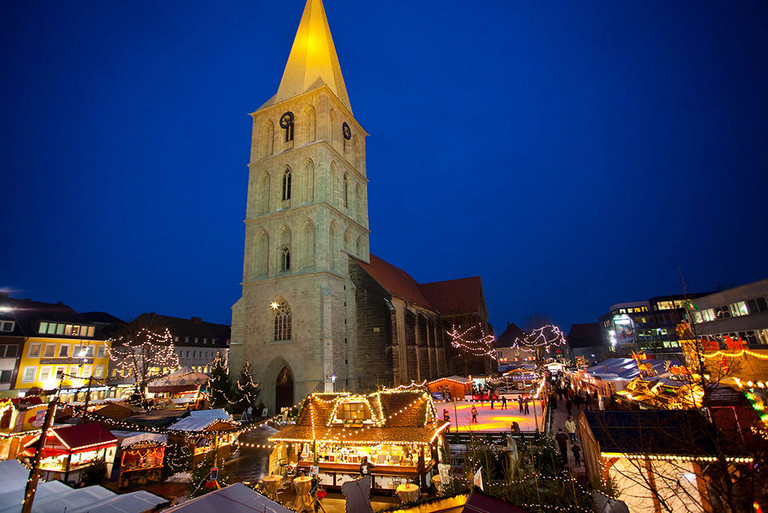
(283, 390)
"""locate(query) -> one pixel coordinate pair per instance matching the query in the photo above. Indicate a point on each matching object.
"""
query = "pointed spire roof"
(313, 61)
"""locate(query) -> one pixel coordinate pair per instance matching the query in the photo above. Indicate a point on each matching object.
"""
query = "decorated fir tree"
(219, 385)
(247, 391)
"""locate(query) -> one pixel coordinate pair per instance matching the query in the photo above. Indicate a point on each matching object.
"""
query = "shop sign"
(65, 361)
(34, 417)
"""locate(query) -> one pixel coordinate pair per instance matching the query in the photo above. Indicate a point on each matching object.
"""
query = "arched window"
(345, 198)
(287, 185)
(282, 320)
(285, 259)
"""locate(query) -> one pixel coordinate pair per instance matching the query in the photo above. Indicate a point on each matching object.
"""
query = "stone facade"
(312, 316)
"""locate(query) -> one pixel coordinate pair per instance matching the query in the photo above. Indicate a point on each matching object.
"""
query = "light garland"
(672, 457)
(479, 347)
(545, 338)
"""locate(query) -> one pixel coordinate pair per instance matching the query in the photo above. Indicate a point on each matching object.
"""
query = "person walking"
(576, 450)
(562, 442)
(587, 401)
(503, 402)
(527, 401)
(520, 402)
(491, 396)
(474, 414)
(570, 426)
(553, 401)
(568, 406)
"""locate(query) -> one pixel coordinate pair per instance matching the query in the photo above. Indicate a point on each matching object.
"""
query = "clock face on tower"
(286, 119)
(346, 131)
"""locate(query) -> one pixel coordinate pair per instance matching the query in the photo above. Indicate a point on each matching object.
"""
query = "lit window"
(59, 329)
(101, 351)
(282, 320)
(29, 375)
(738, 309)
(352, 411)
(45, 373)
(50, 351)
(34, 351)
(98, 371)
(43, 327)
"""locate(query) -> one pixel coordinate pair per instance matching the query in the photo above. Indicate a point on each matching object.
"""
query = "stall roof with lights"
(397, 417)
(78, 437)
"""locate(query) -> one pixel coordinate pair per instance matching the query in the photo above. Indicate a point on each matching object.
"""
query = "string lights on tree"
(139, 353)
(469, 342)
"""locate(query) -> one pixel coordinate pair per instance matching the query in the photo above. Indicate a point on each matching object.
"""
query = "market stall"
(204, 431)
(141, 457)
(70, 450)
(452, 387)
(396, 430)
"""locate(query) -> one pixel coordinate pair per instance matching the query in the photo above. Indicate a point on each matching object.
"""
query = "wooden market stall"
(452, 387)
(204, 431)
(141, 457)
(398, 431)
(70, 450)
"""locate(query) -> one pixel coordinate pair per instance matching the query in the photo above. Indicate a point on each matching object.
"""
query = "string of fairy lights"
(464, 340)
(546, 337)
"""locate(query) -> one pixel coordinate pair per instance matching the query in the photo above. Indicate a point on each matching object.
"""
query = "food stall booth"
(452, 387)
(69, 450)
(397, 430)
(141, 457)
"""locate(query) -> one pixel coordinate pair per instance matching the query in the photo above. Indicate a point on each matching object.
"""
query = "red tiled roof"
(395, 281)
(452, 297)
(84, 435)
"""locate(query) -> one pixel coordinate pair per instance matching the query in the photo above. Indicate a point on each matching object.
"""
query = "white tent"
(236, 498)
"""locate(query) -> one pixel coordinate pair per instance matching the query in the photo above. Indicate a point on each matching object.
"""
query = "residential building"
(52, 346)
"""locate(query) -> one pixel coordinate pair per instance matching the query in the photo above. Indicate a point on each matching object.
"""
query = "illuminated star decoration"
(482, 346)
(545, 337)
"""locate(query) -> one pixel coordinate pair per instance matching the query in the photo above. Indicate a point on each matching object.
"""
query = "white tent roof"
(199, 420)
(53, 496)
(236, 498)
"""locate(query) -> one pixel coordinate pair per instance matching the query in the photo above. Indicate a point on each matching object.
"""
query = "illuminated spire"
(313, 60)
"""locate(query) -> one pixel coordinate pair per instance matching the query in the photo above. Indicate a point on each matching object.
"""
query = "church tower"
(307, 210)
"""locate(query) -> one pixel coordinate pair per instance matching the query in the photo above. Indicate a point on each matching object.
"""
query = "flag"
(478, 479)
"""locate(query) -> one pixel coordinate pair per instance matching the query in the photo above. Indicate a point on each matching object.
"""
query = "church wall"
(374, 331)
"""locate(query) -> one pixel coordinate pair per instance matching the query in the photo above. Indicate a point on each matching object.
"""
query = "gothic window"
(282, 320)
(287, 185)
(285, 259)
(345, 197)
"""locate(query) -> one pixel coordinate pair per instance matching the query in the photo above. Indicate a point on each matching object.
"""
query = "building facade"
(645, 325)
(50, 346)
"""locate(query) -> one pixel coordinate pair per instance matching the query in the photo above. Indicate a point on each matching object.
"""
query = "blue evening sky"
(572, 154)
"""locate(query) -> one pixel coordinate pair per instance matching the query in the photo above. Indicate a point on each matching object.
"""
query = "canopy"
(181, 380)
